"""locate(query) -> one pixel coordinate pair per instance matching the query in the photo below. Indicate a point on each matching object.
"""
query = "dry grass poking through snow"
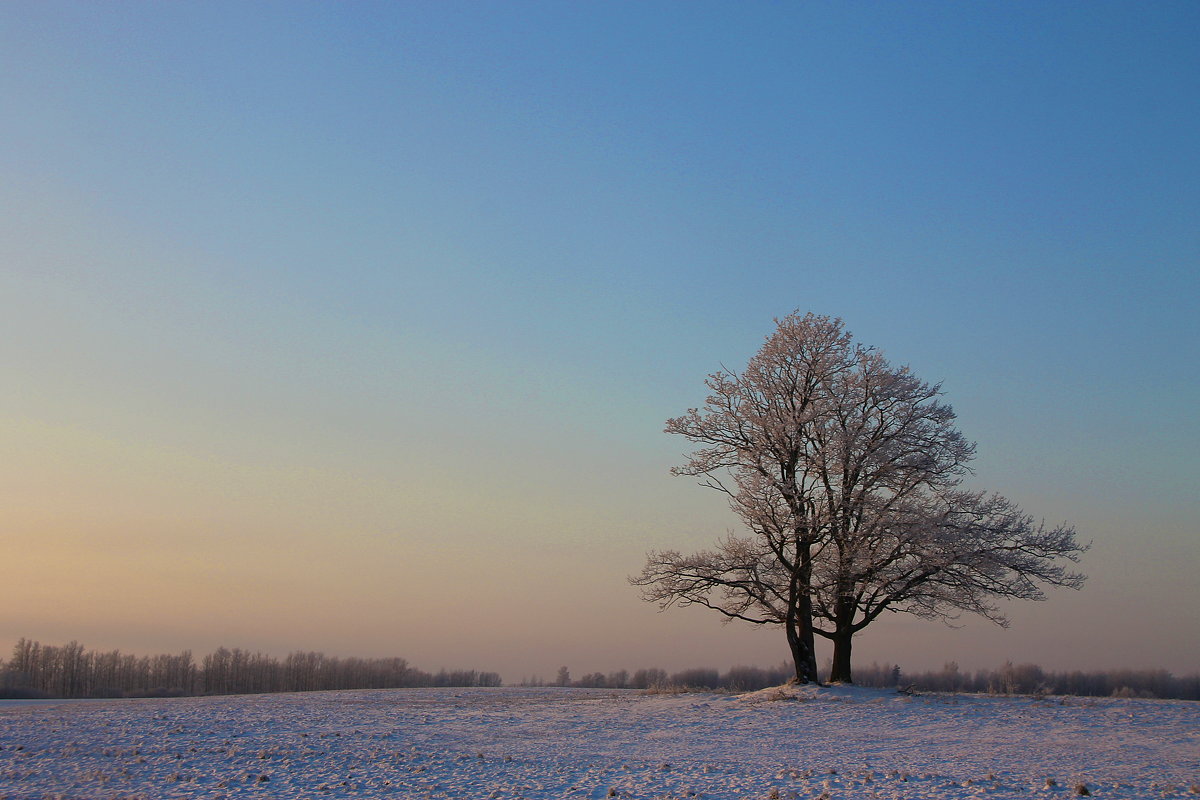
(837, 742)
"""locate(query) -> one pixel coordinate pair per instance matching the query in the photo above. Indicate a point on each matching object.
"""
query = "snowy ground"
(560, 743)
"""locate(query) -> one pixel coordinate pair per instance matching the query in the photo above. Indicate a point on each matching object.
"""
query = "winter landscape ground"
(558, 743)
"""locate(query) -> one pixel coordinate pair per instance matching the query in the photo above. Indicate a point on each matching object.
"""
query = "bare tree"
(844, 470)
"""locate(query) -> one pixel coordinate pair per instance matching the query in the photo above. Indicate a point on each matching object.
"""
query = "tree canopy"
(846, 472)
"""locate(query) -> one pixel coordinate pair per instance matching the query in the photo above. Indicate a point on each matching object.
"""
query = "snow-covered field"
(559, 743)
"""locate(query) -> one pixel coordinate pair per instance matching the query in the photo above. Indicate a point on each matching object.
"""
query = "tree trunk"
(806, 614)
(808, 645)
(803, 657)
(799, 623)
(841, 659)
(843, 639)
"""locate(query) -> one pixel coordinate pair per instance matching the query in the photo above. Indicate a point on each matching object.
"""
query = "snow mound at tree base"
(831, 692)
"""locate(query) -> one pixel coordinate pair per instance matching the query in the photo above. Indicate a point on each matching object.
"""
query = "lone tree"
(844, 469)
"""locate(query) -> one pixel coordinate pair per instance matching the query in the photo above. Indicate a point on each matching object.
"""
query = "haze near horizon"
(355, 328)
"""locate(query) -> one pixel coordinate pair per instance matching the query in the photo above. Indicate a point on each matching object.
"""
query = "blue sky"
(359, 323)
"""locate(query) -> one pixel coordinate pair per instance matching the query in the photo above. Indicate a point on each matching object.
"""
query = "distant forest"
(1007, 679)
(1032, 679)
(43, 671)
(37, 670)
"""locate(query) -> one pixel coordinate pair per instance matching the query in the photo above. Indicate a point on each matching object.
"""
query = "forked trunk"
(804, 656)
(799, 624)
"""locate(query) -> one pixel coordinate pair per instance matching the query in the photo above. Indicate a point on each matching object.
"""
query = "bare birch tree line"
(37, 670)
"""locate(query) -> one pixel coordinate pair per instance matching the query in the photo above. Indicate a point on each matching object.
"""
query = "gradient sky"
(353, 327)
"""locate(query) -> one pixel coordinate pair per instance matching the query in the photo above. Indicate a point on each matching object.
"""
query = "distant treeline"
(37, 670)
(1008, 679)
(737, 679)
(1032, 679)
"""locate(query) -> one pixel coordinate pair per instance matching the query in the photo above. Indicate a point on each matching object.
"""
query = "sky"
(354, 327)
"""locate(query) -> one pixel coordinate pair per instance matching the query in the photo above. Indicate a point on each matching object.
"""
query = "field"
(577, 743)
